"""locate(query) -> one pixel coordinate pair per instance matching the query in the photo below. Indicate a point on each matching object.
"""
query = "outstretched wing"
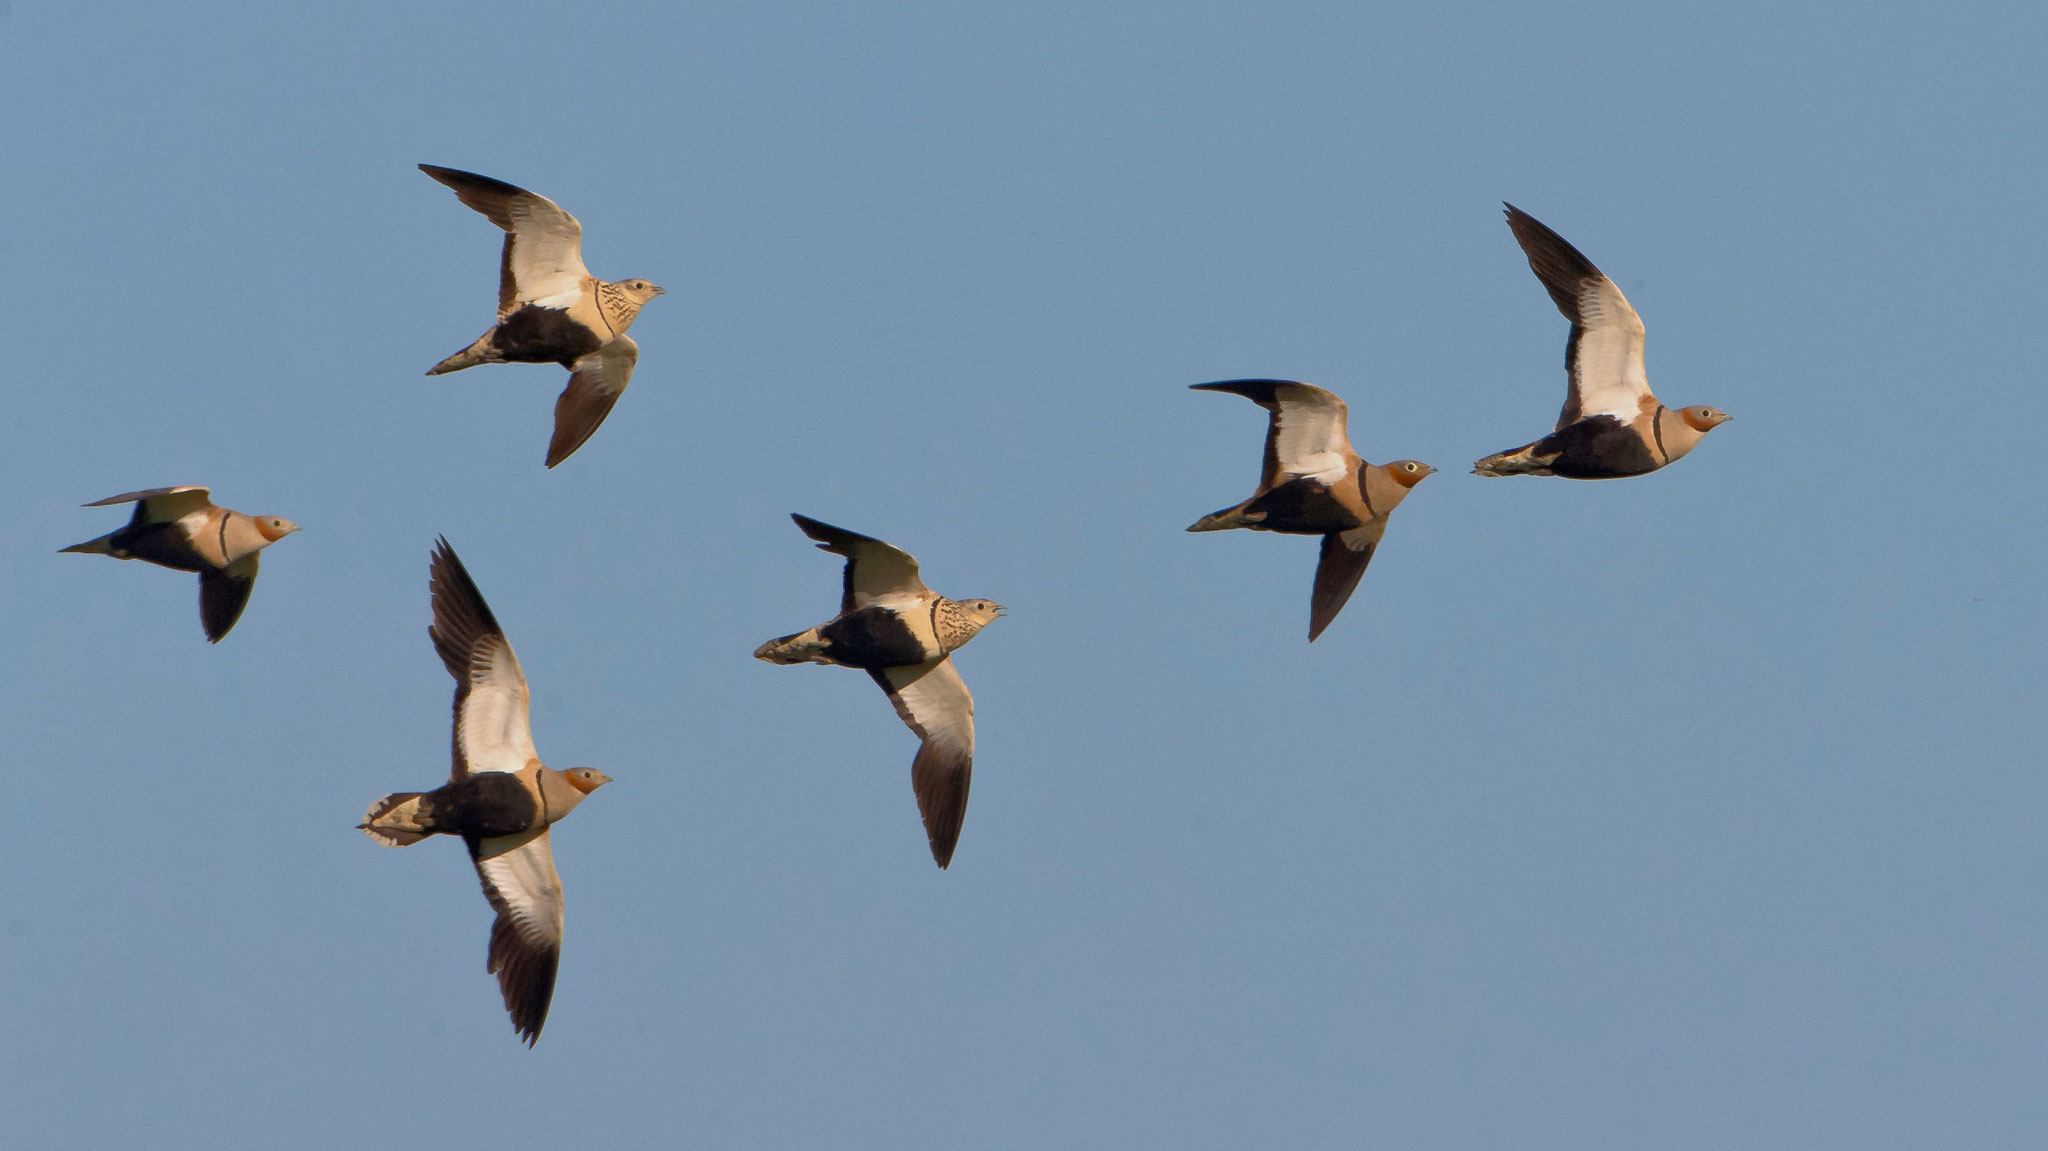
(1345, 556)
(492, 732)
(543, 258)
(934, 702)
(594, 386)
(1305, 435)
(161, 505)
(876, 573)
(1604, 354)
(518, 874)
(223, 593)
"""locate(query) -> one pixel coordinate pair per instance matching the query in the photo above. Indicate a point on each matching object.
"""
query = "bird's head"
(1408, 473)
(1703, 419)
(275, 528)
(586, 779)
(641, 291)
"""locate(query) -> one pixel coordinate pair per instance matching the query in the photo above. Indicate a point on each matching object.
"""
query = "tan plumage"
(1313, 483)
(550, 308)
(180, 528)
(1610, 426)
(499, 797)
(903, 635)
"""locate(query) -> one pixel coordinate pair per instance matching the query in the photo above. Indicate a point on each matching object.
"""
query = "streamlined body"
(1314, 483)
(1611, 426)
(550, 308)
(903, 635)
(182, 529)
(500, 800)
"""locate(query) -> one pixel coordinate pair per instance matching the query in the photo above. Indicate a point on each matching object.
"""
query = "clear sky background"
(1699, 810)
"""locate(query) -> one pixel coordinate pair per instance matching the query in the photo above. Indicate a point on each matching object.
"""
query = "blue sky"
(1697, 810)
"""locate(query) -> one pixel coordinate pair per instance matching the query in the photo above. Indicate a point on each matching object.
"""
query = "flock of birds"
(502, 801)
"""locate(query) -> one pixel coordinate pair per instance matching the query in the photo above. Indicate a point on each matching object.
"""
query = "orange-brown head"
(1407, 473)
(586, 779)
(275, 528)
(1703, 419)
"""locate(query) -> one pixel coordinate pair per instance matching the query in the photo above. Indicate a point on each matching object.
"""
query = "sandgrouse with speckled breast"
(902, 634)
(550, 308)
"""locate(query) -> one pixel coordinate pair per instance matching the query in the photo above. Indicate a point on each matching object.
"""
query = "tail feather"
(1224, 520)
(1520, 461)
(397, 820)
(479, 352)
(803, 647)
(96, 547)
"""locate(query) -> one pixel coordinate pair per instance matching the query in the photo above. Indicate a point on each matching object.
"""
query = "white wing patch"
(1607, 368)
(494, 726)
(1308, 433)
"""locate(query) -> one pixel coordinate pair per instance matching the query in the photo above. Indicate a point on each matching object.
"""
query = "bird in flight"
(1611, 425)
(550, 308)
(182, 529)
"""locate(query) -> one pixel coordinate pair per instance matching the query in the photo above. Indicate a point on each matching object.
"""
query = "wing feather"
(595, 384)
(223, 593)
(543, 256)
(1343, 562)
(876, 573)
(492, 721)
(1305, 433)
(1604, 354)
(934, 702)
(518, 876)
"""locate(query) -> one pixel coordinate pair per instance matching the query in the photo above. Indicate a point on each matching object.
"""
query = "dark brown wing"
(932, 701)
(223, 593)
(1345, 556)
(594, 386)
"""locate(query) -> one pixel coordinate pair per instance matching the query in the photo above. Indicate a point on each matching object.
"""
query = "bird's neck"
(619, 308)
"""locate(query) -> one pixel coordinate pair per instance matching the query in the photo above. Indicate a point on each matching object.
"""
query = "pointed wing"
(491, 703)
(543, 258)
(1345, 555)
(1604, 354)
(594, 386)
(876, 573)
(1305, 435)
(518, 874)
(223, 593)
(161, 505)
(933, 702)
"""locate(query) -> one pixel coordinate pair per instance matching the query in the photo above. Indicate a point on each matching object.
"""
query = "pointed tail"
(803, 647)
(96, 547)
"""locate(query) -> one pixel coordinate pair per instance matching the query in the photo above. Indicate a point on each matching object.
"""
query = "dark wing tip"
(941, 779)
(1260, 392)
(832, 539)
(526, 978)
(461, 616)
(221, 599)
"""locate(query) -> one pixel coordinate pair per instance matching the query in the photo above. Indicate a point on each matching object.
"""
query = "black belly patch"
(534, 335)
(485, 805)
(1598, 448)
(1301, 507)
(163, 544)
(873, 637)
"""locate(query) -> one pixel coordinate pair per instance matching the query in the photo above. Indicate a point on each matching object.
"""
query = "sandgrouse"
(498, 798)
(1611, 425)
(181, 528)
(1313, 483)
(550, 308)
(903, 634)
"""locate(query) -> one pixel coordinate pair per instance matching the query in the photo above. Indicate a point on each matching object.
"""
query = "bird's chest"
(882, 637)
